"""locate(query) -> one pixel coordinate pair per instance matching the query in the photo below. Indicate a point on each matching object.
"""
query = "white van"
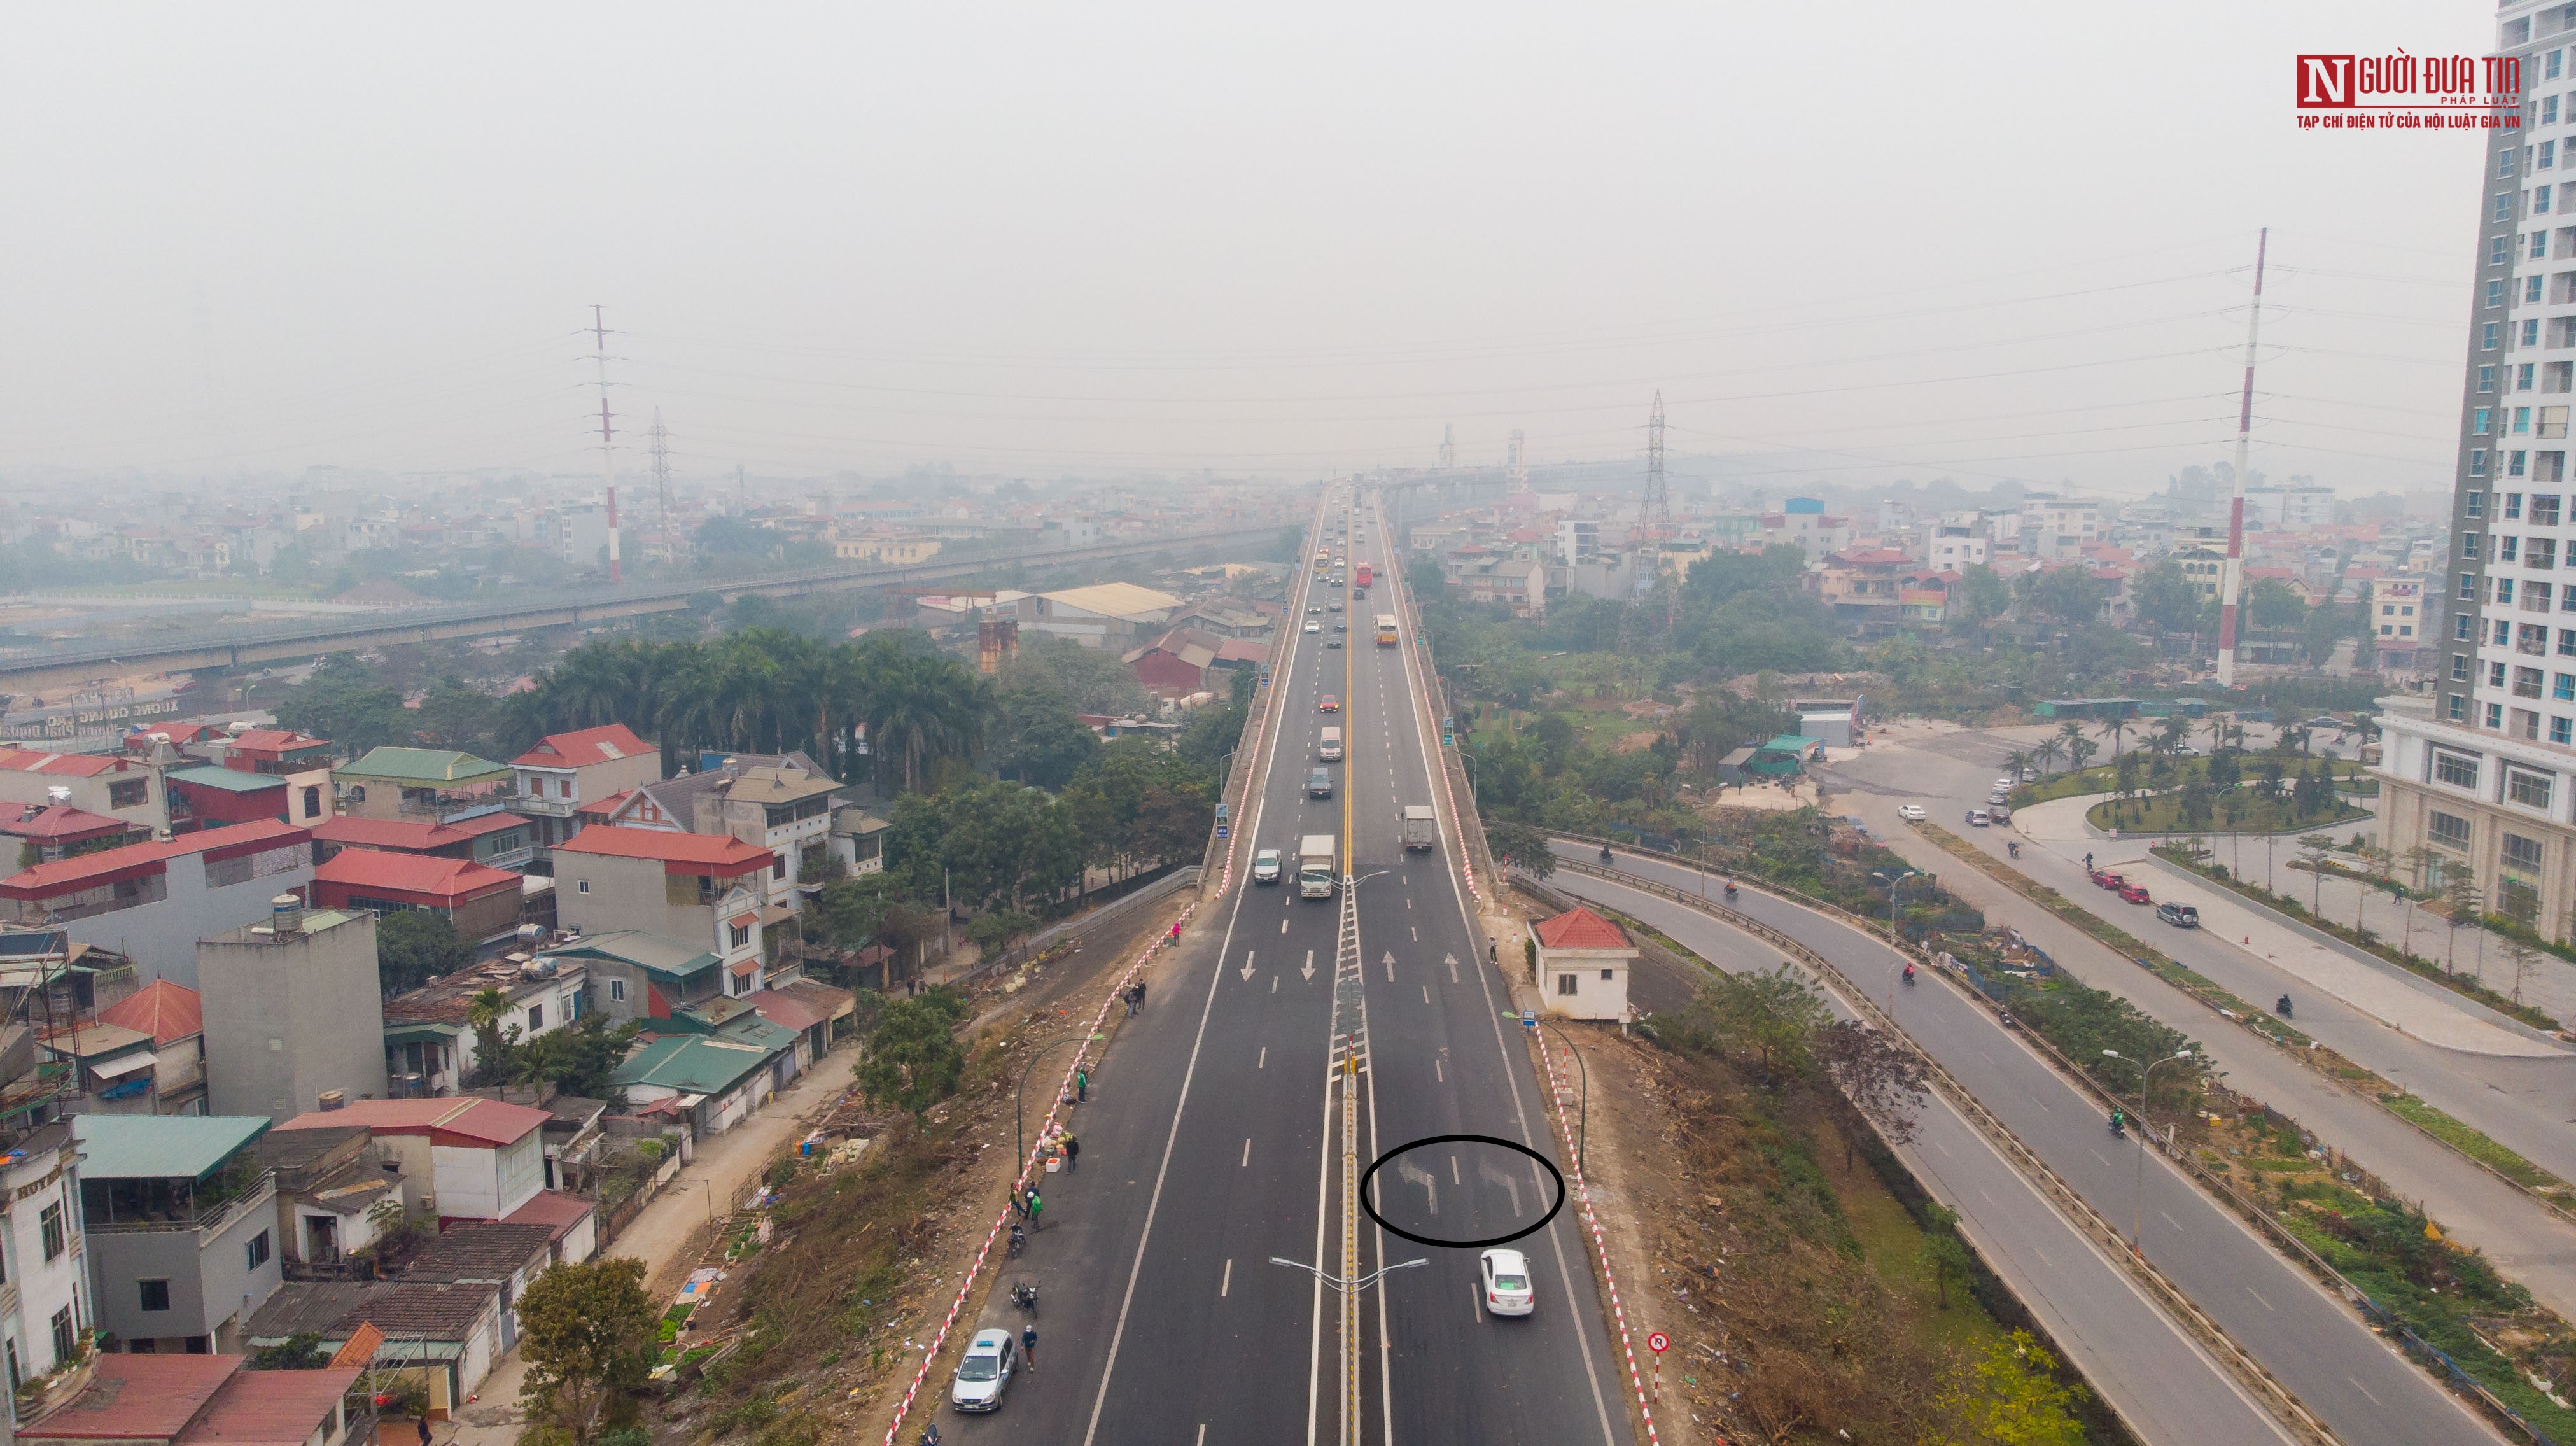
(1332, 747)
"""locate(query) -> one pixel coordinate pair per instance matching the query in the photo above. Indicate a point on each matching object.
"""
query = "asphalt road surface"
(2310, 1341)
(1210, 1144)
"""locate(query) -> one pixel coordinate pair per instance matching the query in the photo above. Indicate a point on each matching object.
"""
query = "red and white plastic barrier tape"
(1028, 1168)
(1600, 1246)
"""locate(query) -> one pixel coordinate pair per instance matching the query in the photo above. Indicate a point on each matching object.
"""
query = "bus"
(1360, 574)
(1386, 630)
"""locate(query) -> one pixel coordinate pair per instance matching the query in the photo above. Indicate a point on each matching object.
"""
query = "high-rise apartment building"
(2486, 777)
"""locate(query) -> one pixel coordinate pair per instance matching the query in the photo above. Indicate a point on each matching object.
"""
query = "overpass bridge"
(71, 666)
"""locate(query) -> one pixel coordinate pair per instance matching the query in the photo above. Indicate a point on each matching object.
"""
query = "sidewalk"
(664, 1234)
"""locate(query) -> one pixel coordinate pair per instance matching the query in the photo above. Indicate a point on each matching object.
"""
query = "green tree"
(2010, 1396)
(1975, 600)
(414, 946)
(1523, 847)
(342, 702)
(1037, 739)
(913, 1059)
(1769, 1017)
(587, 1333)
(2070, 595)
(2166, 598)
(2314, 849)
(301, 1351)
(1943, 1255)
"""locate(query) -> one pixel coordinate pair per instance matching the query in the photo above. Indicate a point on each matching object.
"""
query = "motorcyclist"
(2282, 1008)
(1605, 855)
(2119, 1121)
(1730, 888)
(2088, 863)
(2013, 847)
(1909, 973)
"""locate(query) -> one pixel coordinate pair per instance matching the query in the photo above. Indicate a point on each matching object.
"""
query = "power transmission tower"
(1517, 462)
(607, 437)
(1448, 447)
(2231, 582)
(1655, 509)
(662, 476)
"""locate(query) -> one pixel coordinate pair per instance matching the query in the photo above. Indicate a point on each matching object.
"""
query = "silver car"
(992, 1359)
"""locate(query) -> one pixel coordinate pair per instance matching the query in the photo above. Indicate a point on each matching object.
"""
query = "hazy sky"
(1976, 240)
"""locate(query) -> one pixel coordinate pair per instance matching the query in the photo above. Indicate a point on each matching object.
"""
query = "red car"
(2135, 894)
(2109, 880)
(1331, 704)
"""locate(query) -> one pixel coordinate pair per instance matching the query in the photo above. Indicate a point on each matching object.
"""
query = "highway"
(2309, 1340)
(1212, 1140)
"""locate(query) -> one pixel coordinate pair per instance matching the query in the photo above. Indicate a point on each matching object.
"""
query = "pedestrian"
(1129, 994)
(1140, 995)
(1493, 953)
(1081, 1084)
(1037, 1203)
(1029, 1346)
(424, 1431)
(1072, 1152)
(1019, 1206)
(1176, 931)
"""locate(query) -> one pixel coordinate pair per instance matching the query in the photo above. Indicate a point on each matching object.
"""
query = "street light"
(2138, 1192)
(1893, 884)
(1363, 1283)
(1469, 759)
(706, 1185)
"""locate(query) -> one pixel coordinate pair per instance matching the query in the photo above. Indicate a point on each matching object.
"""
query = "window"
(740, 934)
(2504, 199)
(2504, 594)
(2530, 332)
(2495, 675)
(778, 866)
(312, 800)
(616, 991)
(536, 1017)
(133, 793)
(2531, 638)
(2539, 245)
(2563, 685)
(2513, 500)
(2504, 163)
(2515, 462)
(2477, 461)
(2477, 504)
(2544, 510)
(2539, 200)
(2559, 730)
(2495, 292)
(2548, 154)
(583, 887)
(2549, 110)
(2522, 373)
(2495, 715)
(2531, 291)
(2508, 549)
(2469, 546)
(2497, 252)
(2549, 65)
(2490, 335)
(2457, 708)
(2460, 627)
(2486, 379)
(2448, 830)
(2531, 790)
(257, 1250)
(50, 1225)
(156, 1294)
(2459, 668)
(2543, 553)
(1609, 974)
(2460, 770)
(2479, 422)
(64, 1343)
(2567, 642)
(1567, 983)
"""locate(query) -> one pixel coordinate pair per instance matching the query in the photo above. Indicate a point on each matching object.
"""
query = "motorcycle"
(1605, 856)
(1024, 1294)
(2014, 849)
(2004, 1018)
(2119, 1127)
(930, 1434)
(1019, 1240)
(1730, 888)
(1909, 976)
(2281, 1006)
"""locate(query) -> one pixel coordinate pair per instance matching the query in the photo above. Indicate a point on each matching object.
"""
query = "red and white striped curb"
(1028, 1168)
(1600, 1246)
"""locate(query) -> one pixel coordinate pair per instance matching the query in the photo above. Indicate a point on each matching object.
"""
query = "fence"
(1072, 930)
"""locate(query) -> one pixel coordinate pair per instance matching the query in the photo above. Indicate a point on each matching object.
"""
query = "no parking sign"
(1658, 1342)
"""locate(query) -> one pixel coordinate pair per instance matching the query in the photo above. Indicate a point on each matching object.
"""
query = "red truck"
(1360, 575)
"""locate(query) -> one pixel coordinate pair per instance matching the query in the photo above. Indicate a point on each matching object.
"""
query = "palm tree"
(925, 708)
(2046, 751)
(2079, 749)
(2112, 728)
(2171, 735)
(2016, 763)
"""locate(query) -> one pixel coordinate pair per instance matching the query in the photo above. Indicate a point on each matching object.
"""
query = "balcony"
(533, 806)
(123, 1207)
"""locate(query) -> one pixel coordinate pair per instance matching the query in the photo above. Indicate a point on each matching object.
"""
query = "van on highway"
(1331, 749)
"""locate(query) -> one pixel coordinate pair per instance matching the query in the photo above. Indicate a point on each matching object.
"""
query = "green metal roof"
(657, 955)
(1790, 743)
(423, 767)
(230, 780)
(691, 1064)
(161, 1147)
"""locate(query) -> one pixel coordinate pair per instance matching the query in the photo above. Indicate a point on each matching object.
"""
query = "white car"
(2003, 785)
(1506, 1283)
(992, 1359)
(1911, 812)
(1313, 626)
(1265, 867)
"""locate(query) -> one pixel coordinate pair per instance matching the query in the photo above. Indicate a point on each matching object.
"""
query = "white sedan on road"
(1313, 626)
(1506, 1283)
(1911, 812)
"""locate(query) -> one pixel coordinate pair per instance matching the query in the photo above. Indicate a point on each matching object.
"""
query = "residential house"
(294, 1012)
(2053, 526)
(571, 1221)
(277, 752)
(567, 770)
(329, 1183)
(103, 783)
(173, 1018)
(705, 889)
(737, 1022)
(466, 1157)
(1176, 664)
(51, 1303)
(857, 839)
(489, 1252)
(890, 547)
(708, 1083)
(1583, 966)
(1956, 542)
(208, 796)
(2204, 567)
(432, 783)
(154, 901)
(182, 1225)
(1516, 583)
(1863, 588)
(1803, 523)
(483, 903)
(441, 1337)
(430, 1045)
(112, 1068)
(780, 802)
(493, 838)
(823, 1015)
(2397, 614)
(1923, 598)
(33, 833)
(201, 1400)
(635, 975)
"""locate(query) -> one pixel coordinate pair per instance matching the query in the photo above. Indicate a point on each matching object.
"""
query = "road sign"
(1221, 832)
(1529, 1020)
(1659, 1343)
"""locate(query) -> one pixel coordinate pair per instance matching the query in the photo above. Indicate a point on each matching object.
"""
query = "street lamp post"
(1894, 883)
(1019, 1097)
(2138, 1190)
(706, 1185)
(1469, 759)
(1583, 1106)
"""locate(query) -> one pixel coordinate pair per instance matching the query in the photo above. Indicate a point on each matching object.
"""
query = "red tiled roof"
(553, 1209)
(406, 835)
(177, 735)
(1580, 928)
(787, 1009)
(61, 821)
(455, 1120)
(275, 740)
(67, 765)
(88, 870)
(720, 851)
(161, 1009)
(270, 1408)
(412, 873)
(589, 745)
(137, 1398)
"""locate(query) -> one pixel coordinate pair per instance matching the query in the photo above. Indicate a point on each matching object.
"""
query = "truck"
(1331, 748)
(1421, 827)
(1361, 575)
(1315, 854)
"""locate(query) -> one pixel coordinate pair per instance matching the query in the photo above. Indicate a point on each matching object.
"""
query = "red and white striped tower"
(607, 438)
(2231, 578)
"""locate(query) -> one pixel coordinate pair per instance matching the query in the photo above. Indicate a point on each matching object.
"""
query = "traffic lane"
(2310, 1341)
(2156, 1377)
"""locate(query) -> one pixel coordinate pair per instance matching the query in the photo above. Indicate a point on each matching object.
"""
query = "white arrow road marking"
(1247, 966)
(1452, 961)
(1390, 968)
(1414, 1174)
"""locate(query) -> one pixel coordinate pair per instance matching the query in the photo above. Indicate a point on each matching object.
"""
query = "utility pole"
(2231, 582)
(662, 476)
(1448, 447)
(607, 437)
(741, 491)
(1517, 462)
